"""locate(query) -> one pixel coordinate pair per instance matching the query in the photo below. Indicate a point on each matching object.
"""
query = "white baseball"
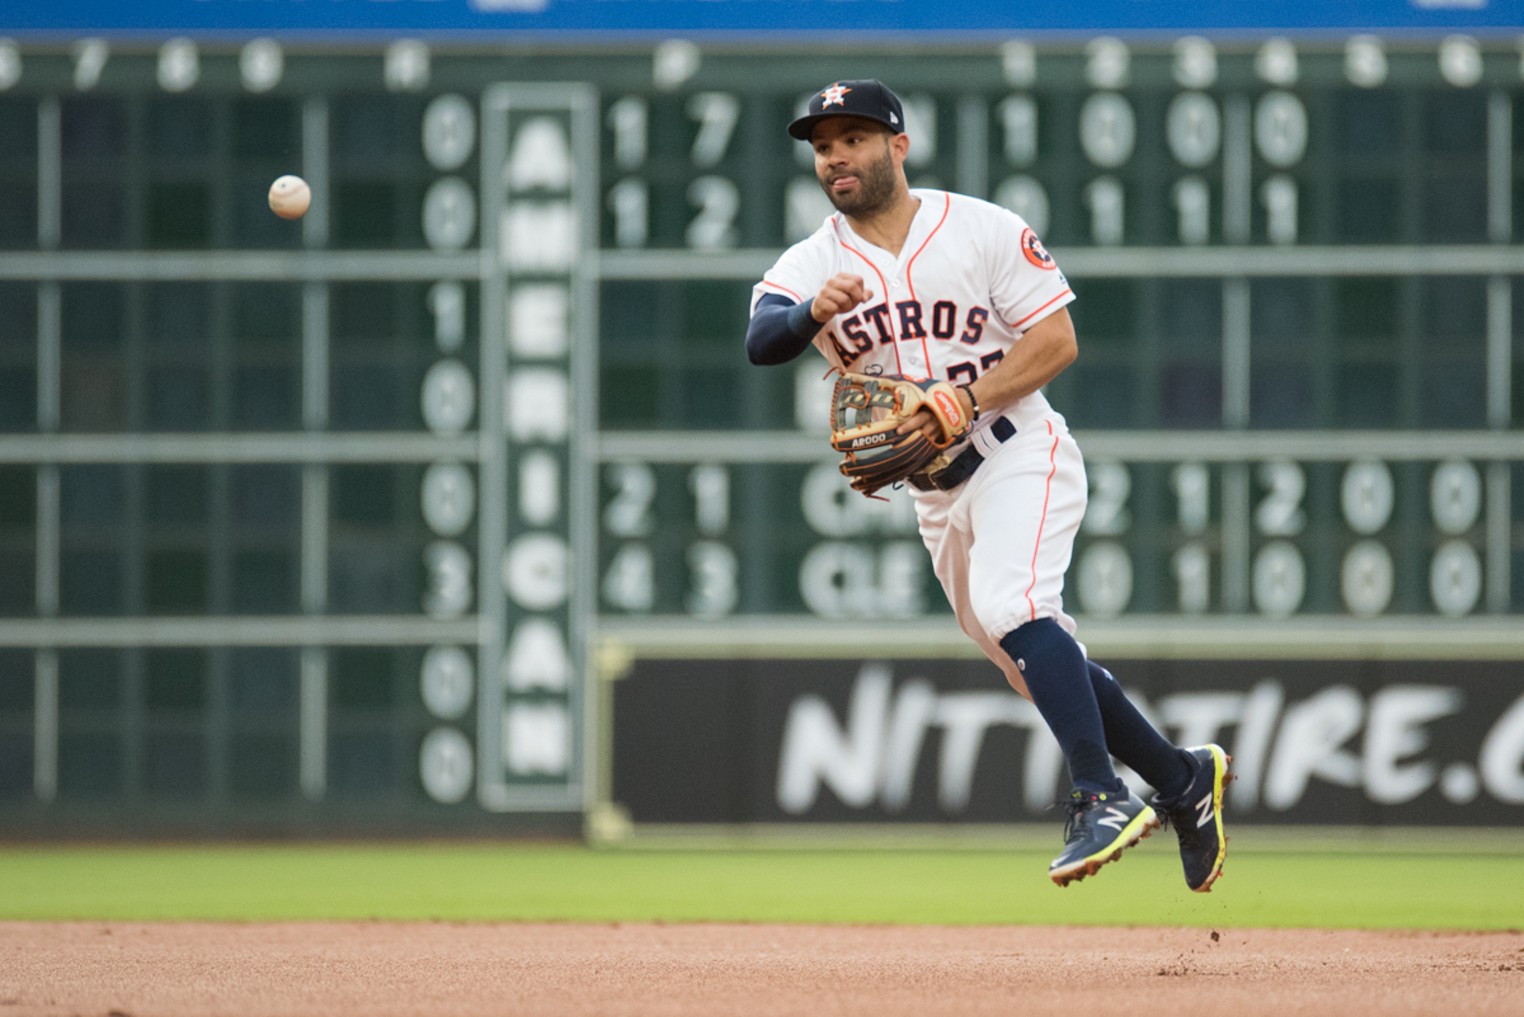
(290, 197)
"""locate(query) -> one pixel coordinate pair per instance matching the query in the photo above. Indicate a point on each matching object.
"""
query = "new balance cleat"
(1196, 815)
(1101, 824)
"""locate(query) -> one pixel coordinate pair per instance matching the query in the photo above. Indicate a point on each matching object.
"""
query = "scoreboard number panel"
(1325, 538)
(334, 509)
(1356, 538)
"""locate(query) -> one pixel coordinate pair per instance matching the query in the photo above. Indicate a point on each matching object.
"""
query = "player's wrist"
(802, 321)
(972, 400)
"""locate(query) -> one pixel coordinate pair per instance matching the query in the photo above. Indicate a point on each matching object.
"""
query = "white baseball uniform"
(969, 281)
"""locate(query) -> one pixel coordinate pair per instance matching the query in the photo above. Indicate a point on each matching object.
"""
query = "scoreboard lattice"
(333, 511)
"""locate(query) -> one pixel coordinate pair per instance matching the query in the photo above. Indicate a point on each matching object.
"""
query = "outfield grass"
(517, 882)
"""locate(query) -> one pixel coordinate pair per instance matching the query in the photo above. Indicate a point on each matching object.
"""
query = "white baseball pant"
(1001, 543)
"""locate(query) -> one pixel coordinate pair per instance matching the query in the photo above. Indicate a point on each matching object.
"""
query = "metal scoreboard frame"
(525, 423)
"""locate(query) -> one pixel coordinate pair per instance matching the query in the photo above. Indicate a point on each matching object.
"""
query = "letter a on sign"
(541, 157)
(537, 658)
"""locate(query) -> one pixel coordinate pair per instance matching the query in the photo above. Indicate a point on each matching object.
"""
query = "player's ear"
(899, 144)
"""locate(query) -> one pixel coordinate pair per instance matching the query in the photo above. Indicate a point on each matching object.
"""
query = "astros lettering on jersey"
(970, 279)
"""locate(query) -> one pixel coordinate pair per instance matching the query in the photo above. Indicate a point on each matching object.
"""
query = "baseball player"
(934, 286)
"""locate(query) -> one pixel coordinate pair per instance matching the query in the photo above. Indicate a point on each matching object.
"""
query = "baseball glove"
(866, 412)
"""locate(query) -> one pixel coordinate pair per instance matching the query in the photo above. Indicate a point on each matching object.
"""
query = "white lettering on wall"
(537, 739)
(537, 658)
(870, 755)
(817, 750)
(1395, 731)
(873, 756)
(1502, 756)
(538, 406)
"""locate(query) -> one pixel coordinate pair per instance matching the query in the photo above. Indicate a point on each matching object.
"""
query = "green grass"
(517, 882)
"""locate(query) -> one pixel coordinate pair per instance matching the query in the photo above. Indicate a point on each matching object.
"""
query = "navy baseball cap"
(868, 99)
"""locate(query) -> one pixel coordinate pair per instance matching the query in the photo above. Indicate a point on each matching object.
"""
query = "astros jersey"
(971, 278)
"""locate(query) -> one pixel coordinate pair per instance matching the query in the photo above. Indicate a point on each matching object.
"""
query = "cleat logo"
(1204, 809)
(1115, 818)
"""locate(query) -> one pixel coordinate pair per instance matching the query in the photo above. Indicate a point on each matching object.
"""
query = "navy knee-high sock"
(1056, 676)
(1136, 742)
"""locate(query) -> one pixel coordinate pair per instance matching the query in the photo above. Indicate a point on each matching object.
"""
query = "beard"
(875, 189)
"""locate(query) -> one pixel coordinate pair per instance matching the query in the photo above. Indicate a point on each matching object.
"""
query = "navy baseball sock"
(1054, 668)
(1136, 742)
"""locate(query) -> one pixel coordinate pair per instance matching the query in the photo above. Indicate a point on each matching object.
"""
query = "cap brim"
(805, 126)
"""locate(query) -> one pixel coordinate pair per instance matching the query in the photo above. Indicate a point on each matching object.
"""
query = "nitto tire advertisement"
(1316, 742)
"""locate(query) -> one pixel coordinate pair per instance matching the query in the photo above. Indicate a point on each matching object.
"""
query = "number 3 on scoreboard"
(449, 571)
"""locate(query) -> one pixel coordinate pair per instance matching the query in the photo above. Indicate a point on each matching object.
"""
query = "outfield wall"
(741, 736)
(350, 525)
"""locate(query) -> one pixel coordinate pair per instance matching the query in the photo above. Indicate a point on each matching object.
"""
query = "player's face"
(855, 161)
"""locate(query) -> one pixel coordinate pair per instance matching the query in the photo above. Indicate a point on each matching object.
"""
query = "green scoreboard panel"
(329, 515)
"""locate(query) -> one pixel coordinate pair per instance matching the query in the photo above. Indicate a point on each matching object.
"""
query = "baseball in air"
(289, 197)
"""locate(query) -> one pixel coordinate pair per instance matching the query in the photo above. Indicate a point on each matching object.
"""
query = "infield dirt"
(438, 969)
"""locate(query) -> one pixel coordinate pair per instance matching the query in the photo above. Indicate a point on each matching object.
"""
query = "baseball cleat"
(1196, 815)
(1101, 824)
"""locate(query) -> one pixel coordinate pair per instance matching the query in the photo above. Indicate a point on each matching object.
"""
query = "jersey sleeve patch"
(1035, 252)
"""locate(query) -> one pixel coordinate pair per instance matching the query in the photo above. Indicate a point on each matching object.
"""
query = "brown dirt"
(441, 970)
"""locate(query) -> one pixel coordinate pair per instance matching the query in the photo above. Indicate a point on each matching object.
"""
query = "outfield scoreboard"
(334, 511)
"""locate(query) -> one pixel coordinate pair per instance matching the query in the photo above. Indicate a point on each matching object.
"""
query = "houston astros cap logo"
(834, 96)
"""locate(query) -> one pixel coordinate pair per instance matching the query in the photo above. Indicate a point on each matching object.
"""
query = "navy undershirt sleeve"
(780, 330)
